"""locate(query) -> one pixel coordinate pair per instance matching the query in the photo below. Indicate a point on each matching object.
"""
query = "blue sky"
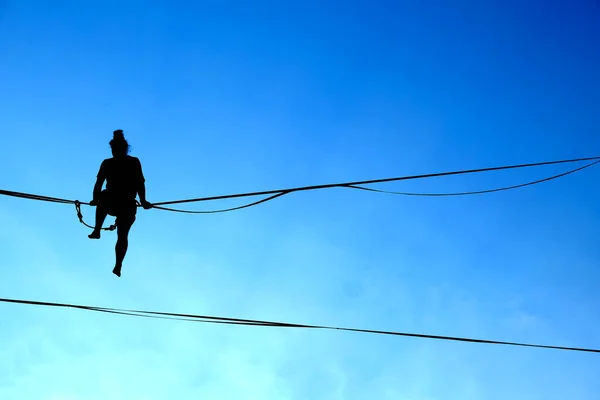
(230, 96)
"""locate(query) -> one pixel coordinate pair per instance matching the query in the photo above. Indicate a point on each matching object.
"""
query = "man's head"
(118, 144)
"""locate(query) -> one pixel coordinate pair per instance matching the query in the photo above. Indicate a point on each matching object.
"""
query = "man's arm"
(141, 190)
(101, 177)
(98, 188)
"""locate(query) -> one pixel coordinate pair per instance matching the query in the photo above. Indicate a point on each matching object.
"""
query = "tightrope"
(273, 194)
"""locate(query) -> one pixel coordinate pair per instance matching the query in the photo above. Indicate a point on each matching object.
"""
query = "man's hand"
(146, 205)
(94, 202)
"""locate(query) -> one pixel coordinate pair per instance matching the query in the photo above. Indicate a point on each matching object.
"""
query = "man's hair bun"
(118, 134)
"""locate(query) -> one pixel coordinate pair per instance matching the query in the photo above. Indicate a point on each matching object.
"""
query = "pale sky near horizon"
(219, 97)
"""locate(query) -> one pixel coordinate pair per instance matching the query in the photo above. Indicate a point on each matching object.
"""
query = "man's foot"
(117, 271)
(94, 235)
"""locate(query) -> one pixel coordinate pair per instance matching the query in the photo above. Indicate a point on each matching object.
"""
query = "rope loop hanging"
(80, 216)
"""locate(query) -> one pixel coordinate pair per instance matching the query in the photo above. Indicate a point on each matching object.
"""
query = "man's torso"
(123, 176)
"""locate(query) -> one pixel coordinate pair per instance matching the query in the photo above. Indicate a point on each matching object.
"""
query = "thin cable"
(224, 209)
(476, 192)
(142, 315)
(393, 192)
(35, 197)
(238, 321)
(346, 184)
(390, 192)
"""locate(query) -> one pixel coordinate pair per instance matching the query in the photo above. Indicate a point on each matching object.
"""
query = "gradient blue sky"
(227, 96)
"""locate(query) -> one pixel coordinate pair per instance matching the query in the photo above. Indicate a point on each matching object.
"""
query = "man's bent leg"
(101, 213)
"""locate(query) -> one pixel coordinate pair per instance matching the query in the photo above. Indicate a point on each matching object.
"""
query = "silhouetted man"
(124, 180)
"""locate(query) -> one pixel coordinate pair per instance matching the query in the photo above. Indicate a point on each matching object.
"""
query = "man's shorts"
(123, 208)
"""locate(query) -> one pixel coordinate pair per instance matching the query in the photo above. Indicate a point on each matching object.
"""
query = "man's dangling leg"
(123, 227)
